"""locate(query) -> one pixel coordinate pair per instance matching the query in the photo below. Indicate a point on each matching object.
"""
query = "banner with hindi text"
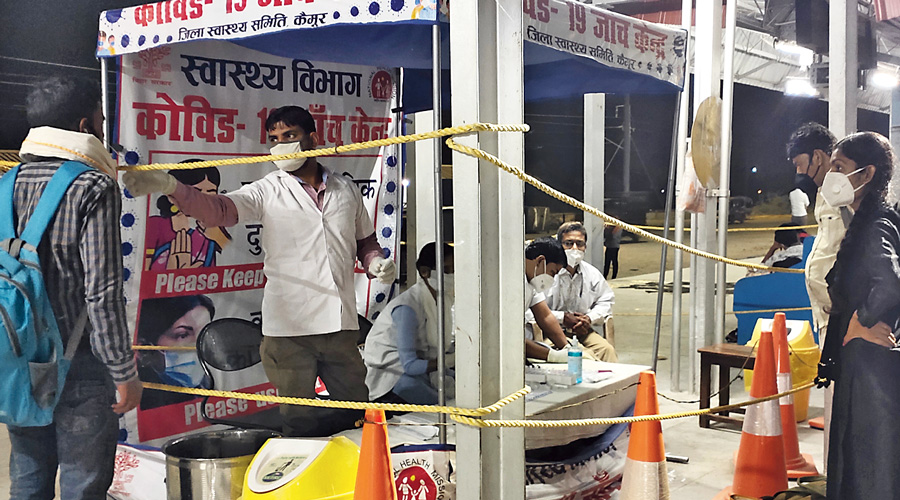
(611, 39)
(210, 100)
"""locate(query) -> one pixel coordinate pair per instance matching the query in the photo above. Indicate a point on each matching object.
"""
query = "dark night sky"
(763, 121)
(57, 31)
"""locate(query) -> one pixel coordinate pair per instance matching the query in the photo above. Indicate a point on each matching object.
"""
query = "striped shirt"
(81, 260)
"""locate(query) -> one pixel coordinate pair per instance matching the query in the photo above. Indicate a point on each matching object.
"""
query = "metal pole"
(670, 189)
(725, 164)
(104, 100)
(677, 271)
(438, 222)
(626, 144)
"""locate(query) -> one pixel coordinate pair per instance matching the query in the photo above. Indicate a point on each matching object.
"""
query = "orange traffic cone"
(760, 467)
(645, 476)
(798, 464)
(375, 476)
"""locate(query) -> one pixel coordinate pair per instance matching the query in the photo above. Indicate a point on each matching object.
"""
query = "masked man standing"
(316, 227)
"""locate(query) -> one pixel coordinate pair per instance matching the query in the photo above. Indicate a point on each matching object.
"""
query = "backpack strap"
(50, 199)
(76, 334)
(7, 192)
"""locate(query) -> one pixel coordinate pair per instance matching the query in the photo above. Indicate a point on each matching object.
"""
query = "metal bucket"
(211, 466)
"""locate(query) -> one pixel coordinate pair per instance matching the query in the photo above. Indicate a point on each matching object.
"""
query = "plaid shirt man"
(81, 261)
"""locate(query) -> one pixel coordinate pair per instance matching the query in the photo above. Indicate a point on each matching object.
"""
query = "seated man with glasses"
(580, 298)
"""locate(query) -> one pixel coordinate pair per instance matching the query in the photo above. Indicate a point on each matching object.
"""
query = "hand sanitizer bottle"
(575, 357)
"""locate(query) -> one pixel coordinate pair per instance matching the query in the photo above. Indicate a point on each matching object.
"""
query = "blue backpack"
(33, 367)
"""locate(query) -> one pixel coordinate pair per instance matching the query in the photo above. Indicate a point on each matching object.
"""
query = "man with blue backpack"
(62, 305)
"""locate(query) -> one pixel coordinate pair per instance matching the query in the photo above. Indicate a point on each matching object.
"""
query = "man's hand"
(577, 322)
(141, 183)
(129, 396)
(383, 269)
(879, 334)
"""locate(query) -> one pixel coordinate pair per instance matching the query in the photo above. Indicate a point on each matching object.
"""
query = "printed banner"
(424, 474)
(132, 29)
(611, 39)
(210, 100)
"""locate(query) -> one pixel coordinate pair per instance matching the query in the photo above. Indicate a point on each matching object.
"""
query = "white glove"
(558, 355)
(383, 270)
(141, 183)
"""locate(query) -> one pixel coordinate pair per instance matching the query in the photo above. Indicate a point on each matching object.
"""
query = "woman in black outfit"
(864, 286)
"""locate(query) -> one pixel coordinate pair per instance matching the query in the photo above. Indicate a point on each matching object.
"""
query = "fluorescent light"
(799, 87)
(803, 54)
(884, 80)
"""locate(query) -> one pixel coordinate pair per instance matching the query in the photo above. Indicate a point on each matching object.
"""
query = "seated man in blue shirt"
(403, 345)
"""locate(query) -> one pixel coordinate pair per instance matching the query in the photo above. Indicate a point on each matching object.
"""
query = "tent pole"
(678, 268)
(438, 222)
(104, 100)
(725, 165)
(670, 190)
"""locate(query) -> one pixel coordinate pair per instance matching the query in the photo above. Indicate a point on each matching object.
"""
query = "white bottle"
(575, 357)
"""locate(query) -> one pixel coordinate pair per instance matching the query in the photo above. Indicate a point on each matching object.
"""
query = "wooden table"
(725, 356)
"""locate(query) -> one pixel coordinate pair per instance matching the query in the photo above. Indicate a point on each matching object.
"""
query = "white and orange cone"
(798, 464)
(645, 475)
(760, 467)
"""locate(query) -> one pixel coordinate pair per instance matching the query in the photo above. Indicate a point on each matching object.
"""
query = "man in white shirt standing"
(809, 149)
(580, 298)
(315, 228)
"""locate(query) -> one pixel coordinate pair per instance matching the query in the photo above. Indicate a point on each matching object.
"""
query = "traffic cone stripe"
(644, 480)
(784, 385)
(760, 466)
(644, 477)
(797, 464)
(763, 419)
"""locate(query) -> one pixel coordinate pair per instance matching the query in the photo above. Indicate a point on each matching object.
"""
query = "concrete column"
(707, 71)
(594, 167)
(842, 67)
(487, 86)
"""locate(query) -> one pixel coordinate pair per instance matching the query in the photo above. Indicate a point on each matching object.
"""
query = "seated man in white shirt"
(580, 298)
(544, 257)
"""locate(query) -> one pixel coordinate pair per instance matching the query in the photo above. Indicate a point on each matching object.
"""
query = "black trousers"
(612, 261)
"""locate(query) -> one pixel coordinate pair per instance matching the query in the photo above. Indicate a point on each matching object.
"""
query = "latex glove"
(141, 183)
(558, 355)
(383, 269)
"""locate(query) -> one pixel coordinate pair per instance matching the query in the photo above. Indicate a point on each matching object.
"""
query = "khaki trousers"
(292, 365)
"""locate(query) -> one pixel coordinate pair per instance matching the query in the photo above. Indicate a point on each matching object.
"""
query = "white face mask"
(542, 282)
(574, 257)
(285, 148)
(448, 284)
(837, 189)
(183, 369)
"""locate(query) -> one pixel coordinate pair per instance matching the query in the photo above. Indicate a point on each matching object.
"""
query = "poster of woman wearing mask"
(208, 101)
(172, 322)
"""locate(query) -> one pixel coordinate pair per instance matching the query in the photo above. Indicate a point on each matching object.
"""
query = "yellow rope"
(606, 218)
(479, 422)
(754, 311)
(737, 229)
(451, 131)
(465, 415)
(348, 405)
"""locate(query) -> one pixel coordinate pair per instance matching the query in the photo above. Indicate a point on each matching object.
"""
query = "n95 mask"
(837, 189)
